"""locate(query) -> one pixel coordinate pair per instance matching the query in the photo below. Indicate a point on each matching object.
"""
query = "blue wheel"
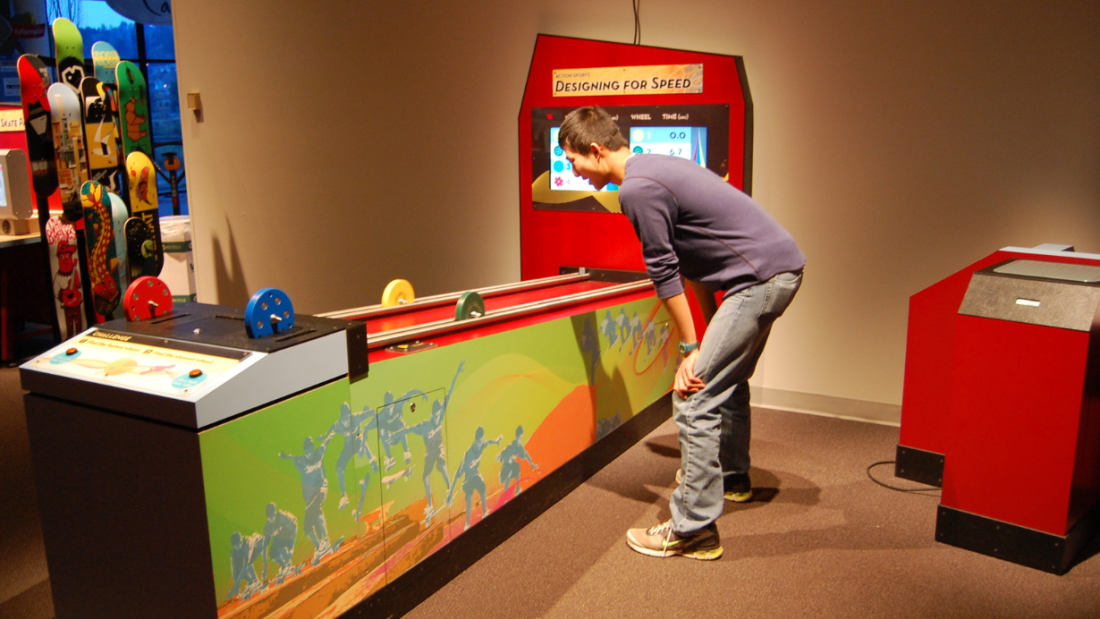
(268, 311)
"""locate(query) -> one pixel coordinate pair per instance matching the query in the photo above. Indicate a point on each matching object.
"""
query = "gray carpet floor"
(820, 540)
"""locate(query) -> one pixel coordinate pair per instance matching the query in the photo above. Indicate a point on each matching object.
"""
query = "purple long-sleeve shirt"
(692, 222)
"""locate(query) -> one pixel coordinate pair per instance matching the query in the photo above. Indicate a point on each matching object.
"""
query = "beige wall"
(345, 144)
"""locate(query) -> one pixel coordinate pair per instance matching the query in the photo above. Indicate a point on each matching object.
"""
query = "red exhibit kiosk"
(673, 102)
(1001, 405)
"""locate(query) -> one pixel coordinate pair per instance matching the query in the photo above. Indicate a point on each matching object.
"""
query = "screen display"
(3, 189)
(699, 133)
(687, 142)
(561, 171)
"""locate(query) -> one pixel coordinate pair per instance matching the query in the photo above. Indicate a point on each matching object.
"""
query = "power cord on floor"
(924, 490)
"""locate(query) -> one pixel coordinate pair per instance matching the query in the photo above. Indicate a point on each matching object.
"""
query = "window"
(153, 49)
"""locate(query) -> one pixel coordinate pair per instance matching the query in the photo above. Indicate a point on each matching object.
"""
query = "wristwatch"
(686, 348)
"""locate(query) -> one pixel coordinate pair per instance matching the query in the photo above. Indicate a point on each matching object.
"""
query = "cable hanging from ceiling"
(637, 22)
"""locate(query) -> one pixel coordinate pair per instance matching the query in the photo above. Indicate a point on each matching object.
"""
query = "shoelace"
(664, 526)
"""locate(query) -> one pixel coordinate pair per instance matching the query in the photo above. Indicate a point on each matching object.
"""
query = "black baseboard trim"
(925, 467)
(1036, 549)
(431, 574)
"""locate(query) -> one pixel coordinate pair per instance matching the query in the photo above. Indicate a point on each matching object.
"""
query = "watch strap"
(686, 348)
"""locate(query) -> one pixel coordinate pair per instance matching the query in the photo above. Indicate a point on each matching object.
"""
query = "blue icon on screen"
(612, 187)
(637, 149)
(558, 152)
(558, 167)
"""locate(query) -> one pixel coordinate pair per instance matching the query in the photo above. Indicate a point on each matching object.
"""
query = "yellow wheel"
(398, 292)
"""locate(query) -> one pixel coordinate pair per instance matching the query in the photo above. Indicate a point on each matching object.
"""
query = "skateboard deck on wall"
(34, 79)
(105, 60)
(133, 105)
(119, 215)
(69, 50)
(144, 248)
(65, 269)
(99, 131)
(72, 169)
(140, 247)
(102, 257)
(68, 139)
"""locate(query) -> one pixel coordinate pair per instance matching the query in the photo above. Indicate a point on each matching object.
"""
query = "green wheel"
(470, 305)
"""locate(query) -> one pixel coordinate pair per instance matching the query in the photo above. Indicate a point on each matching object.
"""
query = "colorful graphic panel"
(281, 532)
(373, 477)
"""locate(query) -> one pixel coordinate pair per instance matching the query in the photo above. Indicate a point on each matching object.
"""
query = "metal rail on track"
(398, 336)
(378, 311)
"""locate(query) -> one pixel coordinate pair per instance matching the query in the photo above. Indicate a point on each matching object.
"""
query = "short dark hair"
(587, 125)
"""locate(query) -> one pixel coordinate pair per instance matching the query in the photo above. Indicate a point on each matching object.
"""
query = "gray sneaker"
(662, 541)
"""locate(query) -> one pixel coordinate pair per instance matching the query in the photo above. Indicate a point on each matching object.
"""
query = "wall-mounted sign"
(11, 120)
(677, 79)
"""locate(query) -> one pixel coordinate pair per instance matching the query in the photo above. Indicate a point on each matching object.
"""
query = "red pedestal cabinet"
(1003, 392)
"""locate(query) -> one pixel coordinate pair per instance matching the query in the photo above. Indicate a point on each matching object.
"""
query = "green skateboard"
(133, 105)
(69, 47)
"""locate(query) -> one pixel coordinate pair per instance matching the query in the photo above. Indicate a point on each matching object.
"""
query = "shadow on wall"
(230, 284)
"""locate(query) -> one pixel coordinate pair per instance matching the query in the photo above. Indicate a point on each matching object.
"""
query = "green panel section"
(243, 472)
(566, 382)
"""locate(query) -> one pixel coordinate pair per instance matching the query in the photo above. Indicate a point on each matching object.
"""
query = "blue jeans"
(715, 422)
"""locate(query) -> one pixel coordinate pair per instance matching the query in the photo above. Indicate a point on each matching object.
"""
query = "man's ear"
(594, 150)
